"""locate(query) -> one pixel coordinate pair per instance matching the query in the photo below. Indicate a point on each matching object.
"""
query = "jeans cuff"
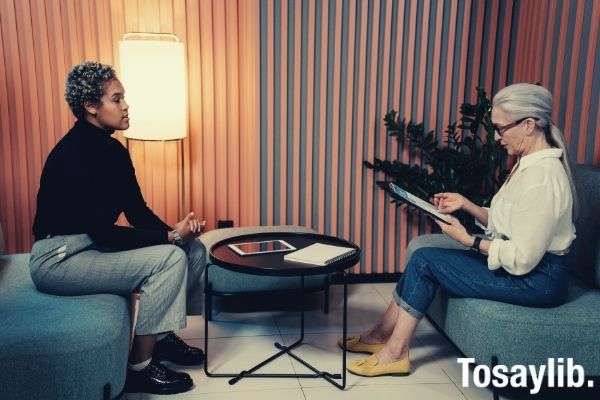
(409, 309)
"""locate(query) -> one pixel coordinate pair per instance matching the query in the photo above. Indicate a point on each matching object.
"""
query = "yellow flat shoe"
(354, 345)
(371, 367)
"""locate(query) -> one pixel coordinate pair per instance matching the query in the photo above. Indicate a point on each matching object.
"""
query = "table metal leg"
(206, 320)
(236, 377)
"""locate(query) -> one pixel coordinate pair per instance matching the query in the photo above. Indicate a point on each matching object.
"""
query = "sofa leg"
(326, 302)
(495, 395)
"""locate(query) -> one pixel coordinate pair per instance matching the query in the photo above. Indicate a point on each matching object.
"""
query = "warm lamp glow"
(154, 76)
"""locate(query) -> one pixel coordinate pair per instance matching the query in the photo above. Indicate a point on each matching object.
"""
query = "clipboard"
(402, 195)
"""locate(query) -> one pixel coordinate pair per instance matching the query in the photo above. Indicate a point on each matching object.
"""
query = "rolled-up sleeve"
(487, 229)
(532, 223)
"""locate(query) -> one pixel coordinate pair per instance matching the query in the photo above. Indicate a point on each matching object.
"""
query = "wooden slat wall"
(287, 98)
(214, 171)
(342, 64)
(561, 49)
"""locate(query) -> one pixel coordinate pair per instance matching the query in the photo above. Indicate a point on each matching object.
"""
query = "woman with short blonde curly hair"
(88, 180)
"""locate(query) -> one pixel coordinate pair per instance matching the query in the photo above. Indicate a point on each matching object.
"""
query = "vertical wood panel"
(346, 194)
(30, 102)
(383, 261)
(394, 89)
(44, 87)
(489, 73)
(335, 114)
(18, 191)
(7, 205)
(232, 111)
(58, 70)
(556, 91)
(296, 112)
(208, 113)
(186, 23)
(269, 106)
(410, 227)
(477, 47)
(550, 27)
(323, 114)
(369, 128)
(593, 40)
(283, 122)
(307, 167)
(220, 95)
(572, 79)
(505, 50)
(357, 131)
(249, 110)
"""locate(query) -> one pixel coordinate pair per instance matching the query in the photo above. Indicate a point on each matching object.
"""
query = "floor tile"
(364, 307)
(321, 351)
(444, 391)
(232, 355)
(356, 293)
(445, 357)
(385, 290)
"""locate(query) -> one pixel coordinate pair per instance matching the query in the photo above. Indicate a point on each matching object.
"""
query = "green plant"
(470, 163)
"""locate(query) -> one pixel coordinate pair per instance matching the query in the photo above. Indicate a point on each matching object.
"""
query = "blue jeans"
(464, 273)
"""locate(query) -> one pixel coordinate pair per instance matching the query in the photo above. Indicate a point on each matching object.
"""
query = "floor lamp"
(153, 71)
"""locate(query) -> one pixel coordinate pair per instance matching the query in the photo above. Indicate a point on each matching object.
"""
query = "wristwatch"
(177, 239)
(476, 243)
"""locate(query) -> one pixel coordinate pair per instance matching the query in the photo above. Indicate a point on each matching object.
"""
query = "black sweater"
(87, 181)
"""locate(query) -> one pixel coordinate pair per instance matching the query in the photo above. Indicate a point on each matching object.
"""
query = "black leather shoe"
(172, 348)
(157, 379)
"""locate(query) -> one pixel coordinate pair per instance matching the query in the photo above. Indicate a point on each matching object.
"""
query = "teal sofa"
(56, 347)
(508, 334)
(76, 347)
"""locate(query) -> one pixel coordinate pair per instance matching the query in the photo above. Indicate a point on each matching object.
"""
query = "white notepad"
(319, 254)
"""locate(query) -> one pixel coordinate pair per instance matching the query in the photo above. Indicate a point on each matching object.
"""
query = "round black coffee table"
(273, 264)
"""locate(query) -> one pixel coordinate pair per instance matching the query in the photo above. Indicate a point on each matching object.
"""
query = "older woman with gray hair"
(88, 180)
(528, 226)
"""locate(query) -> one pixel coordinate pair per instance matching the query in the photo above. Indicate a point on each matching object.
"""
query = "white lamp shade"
(153, 74)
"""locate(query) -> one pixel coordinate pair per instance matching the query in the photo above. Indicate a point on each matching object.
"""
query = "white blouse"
(531, 214)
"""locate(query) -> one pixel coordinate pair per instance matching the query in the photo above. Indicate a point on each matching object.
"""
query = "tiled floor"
(240, 340)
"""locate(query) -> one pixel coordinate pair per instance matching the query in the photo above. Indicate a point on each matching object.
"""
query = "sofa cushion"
(524, 335)
(226, 281)
(584, 257)
(59, 347)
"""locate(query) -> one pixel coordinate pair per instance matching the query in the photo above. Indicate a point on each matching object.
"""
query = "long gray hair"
(523, 100)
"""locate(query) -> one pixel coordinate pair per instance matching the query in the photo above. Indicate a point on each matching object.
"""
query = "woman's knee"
(423, 241)
(174, 258)
(421, 260)
(196, 255)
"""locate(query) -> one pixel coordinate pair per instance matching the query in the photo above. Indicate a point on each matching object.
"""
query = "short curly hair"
(85, 83)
